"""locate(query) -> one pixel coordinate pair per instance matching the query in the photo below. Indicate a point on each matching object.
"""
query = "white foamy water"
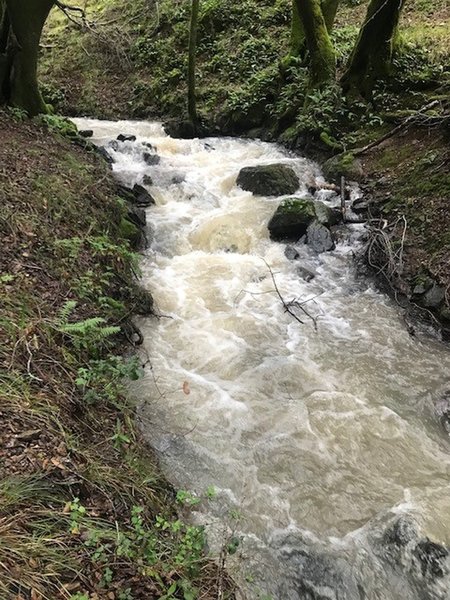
(316, 439)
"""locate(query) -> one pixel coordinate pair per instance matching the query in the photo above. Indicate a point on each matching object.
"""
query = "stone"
(432, 558)
(305, 273)
(137, 216)
(114, 144)
(401, 533)
(126, 138)
(103, 152)
(147, 180)
(141, 196)
(268, 180)
(131, 232)
(327, 215)
(361, 205)
(318, 238)
(86, 133)
(343, 165)
(433, 297)
(291, 219)
(151, 159)
(291, 253)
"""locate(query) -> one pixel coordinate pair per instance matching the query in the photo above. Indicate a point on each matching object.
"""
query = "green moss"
(298, 206)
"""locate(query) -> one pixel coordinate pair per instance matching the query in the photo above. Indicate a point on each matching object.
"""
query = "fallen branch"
(391, 133)
(293, 303)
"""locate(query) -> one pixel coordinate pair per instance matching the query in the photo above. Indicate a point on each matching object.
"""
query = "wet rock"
(151, 159)
(401, 533)
(137, 216)
(291, 219)
(432, 558)
(291, 253)
(305, 273)
(147, 180)
(327, 215)
(114, 144)
(361, 205)
(123, 137)
(319, 238)
(103, 152)
(422, 286)
(150, 146)
(433, 297)
(86, 133)
(142, 197)
(268, 180)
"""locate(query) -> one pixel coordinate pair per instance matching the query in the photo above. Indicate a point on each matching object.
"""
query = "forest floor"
(85, 513)
(407, 185)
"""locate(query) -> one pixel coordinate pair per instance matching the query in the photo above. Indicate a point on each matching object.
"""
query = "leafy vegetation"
(84, 510)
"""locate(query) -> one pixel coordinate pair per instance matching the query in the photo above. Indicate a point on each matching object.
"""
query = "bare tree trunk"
(20, 33)
(321, 52)
(192, 100)
(371, 58)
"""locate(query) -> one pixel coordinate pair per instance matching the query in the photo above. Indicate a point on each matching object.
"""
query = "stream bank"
(85, 512)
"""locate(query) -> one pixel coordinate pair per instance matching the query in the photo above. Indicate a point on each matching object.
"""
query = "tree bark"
(20, 33)
(371, 58)
(298, 39)
(321, 52)
(192, 100)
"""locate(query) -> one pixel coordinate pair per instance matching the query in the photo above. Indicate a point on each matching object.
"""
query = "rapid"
(328, 463)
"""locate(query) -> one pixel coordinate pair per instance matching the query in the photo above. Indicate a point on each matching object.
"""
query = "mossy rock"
(343, 165)
(130, 232)
(268, 180)
(327, 215)
(291, 219)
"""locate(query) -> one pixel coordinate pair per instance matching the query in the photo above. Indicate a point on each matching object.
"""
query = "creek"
(327, 460)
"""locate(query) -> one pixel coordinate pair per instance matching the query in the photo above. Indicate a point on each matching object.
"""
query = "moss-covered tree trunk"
(20, 33)
(192, 100)
(371, 58)
(321, 53)
(298, 40)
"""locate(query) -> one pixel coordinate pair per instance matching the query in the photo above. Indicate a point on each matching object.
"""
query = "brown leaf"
(186, 388)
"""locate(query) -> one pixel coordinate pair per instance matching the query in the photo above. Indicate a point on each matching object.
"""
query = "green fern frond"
(66, 311)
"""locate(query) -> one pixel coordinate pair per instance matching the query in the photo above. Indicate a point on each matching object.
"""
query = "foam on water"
(310, 434)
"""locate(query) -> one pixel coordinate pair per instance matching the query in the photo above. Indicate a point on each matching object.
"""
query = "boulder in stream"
(291, 219)
(141, 196)
(327, 215)
(268, 180)
(86, 133)
(318, 238)
(123, 137)
(151, 159)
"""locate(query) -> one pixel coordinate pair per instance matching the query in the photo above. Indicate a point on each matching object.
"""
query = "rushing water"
(316, 441)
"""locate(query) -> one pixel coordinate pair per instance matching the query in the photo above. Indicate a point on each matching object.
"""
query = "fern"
(66, 311)
(88, 334)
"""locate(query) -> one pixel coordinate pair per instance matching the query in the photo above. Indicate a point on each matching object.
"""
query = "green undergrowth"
(245, 81)
(85, 513)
